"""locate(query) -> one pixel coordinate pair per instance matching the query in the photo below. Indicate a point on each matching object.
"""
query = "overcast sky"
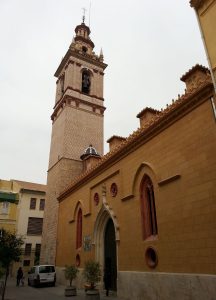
(148, 46)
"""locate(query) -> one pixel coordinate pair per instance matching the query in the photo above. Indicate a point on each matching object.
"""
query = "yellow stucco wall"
(185, 207)
(207, 17)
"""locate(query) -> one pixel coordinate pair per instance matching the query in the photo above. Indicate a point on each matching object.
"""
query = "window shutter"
(35, 226)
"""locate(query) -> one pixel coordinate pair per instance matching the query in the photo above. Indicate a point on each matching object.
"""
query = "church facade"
(146, 209)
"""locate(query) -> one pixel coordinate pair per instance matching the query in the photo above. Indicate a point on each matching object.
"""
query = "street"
(43, 293)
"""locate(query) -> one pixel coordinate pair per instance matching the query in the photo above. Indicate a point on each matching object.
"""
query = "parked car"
(42, 274)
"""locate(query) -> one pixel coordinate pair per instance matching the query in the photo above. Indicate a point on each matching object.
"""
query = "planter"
(92, 295)
(70, 291)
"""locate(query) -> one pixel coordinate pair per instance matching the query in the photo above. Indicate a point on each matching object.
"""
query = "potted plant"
(70, 275)
(92, 274)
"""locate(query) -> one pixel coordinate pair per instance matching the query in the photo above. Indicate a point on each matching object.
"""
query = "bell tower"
(77, 122)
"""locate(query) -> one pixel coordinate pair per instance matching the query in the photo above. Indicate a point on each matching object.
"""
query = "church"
(146, 209)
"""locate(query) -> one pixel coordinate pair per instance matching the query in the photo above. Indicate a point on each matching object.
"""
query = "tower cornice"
(85, 57)
(78, 91)
(65, 100)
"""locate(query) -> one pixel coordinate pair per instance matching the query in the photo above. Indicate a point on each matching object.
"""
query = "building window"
(5, 207)
(26, 263)
(35, 226)
(79, 229)
(33, 203)
(28, 249)
(37, 254)
(42, 204)
(148, 210)
(37, 249)
(86, 82)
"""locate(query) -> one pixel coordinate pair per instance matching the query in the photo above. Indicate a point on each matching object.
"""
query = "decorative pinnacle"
(83, 18)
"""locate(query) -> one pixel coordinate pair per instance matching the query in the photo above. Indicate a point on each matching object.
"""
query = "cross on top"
(84, 11)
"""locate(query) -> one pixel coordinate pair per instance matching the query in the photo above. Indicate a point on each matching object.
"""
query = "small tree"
(92, 272)
(2, 271)
(71, 273)
(10, 251)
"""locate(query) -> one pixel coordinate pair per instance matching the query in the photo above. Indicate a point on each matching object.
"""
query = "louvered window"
(35, 226)
(28, 249)
(33, 203)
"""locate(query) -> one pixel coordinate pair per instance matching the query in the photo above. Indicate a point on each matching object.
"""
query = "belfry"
(77, 122)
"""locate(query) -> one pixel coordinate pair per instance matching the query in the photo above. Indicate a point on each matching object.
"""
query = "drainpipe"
(209, 63)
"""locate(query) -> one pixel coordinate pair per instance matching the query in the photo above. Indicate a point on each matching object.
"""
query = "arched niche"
(78, 205)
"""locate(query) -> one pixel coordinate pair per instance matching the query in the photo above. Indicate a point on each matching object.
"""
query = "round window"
(96, 199)
(113, 189)
(151, 257)
(77, 260)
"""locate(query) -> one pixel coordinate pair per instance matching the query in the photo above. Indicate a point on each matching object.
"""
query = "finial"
(101, 55)
(83, 18)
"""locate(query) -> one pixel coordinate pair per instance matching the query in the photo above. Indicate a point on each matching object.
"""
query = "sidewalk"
(44, 293)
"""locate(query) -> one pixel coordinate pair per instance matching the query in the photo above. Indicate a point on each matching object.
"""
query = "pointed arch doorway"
(110, 258)
(106, 237)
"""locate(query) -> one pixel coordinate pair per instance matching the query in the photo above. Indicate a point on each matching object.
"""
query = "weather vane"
(84, 10)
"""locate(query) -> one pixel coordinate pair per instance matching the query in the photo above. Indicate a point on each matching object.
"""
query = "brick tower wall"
(59, 177)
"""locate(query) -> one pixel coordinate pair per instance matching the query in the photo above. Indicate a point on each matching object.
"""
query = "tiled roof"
(129, 142)
(31, 186)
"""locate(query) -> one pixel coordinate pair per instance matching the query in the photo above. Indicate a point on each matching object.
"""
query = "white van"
(42, 274)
